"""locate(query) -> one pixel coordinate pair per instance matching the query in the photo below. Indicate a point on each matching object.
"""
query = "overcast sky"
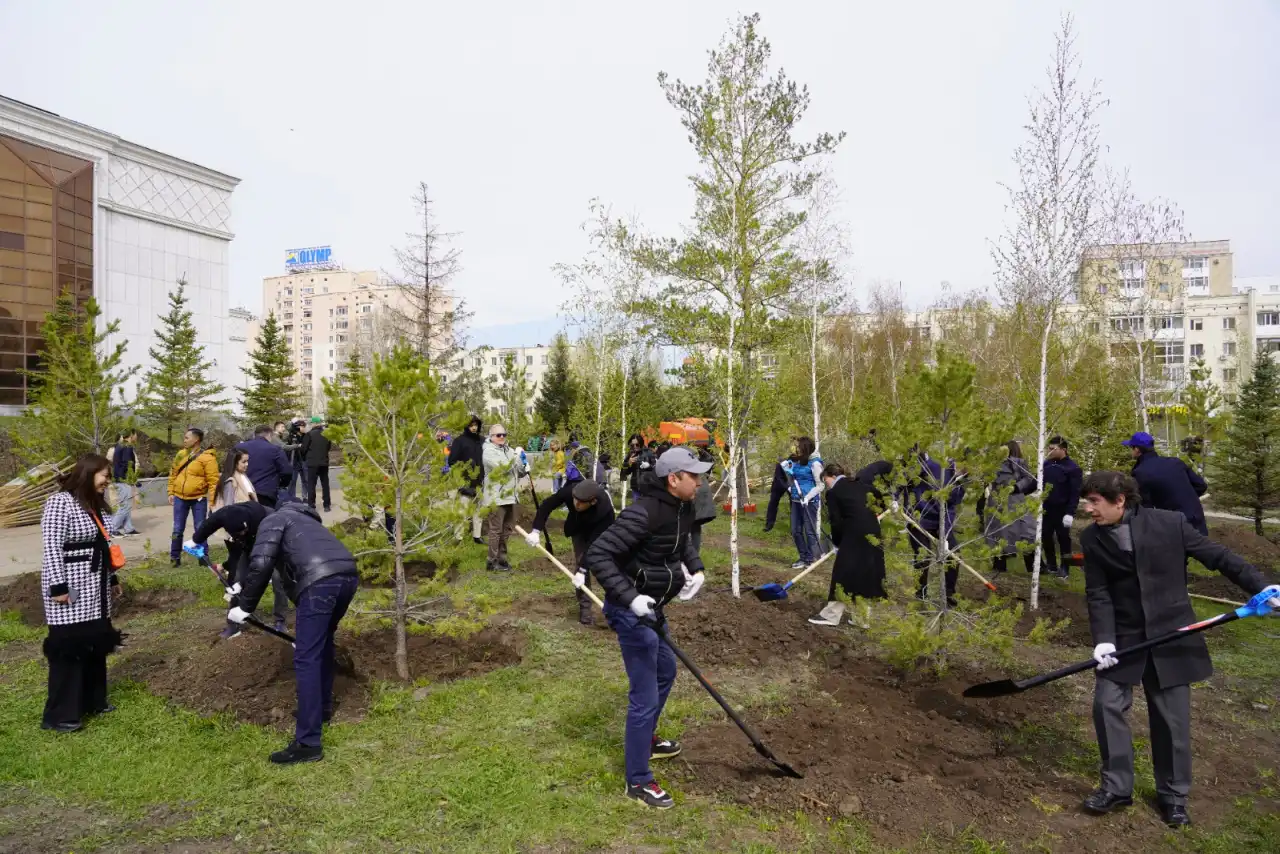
(517, 114)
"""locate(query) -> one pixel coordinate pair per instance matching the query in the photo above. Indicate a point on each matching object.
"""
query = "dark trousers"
(921, 553)
(299, 474)
(77, 687)
(1001, 563)
(502, 520)
(320, 608)
(1169, 713)
(197, 508)
(1052, 532)
(651, 671)
(235, 555)
(269, 499)
(804, 530)
(321, 474)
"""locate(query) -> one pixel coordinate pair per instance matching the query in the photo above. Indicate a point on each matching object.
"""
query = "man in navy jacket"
(1167, 483)
(1063, 479)
(269, 469)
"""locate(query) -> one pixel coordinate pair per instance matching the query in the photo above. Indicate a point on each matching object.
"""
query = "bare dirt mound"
(1240, 538)
(23, 595)
(251, 677)
(716, 629)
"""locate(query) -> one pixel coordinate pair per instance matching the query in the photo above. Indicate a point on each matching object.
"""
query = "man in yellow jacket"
(193, 480)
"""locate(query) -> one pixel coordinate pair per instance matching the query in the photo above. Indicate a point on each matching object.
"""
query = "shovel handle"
(976, 574)
(808, 569)
(587, 590)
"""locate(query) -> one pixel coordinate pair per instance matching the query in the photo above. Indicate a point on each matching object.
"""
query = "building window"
(1229, 375)
(1228, 348)
(288, 303)
(1198, 282)
(306, 327)
(544, 359)
(1169, 321)
(1164, 287)
(528, 360)
(1197, 351)
(340, 310)
(480, 362)
(1125, 324)
(1269, 318)
(1102, 289)
(1269, 345)
(502, 408)
(1195, 263)
(1094, 327)
(1197, 324)
(1228, 323)
(494, 360)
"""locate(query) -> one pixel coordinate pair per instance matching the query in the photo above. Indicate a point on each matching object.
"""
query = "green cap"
(316, 419)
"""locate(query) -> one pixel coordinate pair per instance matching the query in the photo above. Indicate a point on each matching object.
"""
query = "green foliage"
(271, 392)
(512, 388)
(177, 384)
(465, 383)
(1105, 414)
(917, 636)
(76, 389)
(1203, 401)
(559, 390)
(1248, 459)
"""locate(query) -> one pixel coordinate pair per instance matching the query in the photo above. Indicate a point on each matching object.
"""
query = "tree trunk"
(626, 368)
(734, 462)
(1042, 439)
(1142, 387)
(402, 595)
(600, 408)
(813, 367)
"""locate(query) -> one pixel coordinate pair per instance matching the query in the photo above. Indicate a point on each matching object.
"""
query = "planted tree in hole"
(376, 414)
(1247, 463)
(76, 389)
(271, 392)
(179, 382)
(559, 388)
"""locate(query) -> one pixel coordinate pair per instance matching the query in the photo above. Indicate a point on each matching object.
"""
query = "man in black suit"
(1136, 588)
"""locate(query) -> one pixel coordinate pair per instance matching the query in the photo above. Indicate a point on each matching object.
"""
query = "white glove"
(642, 606)
(190, 544)
(1068, 520)
(1274, 602)
(1104, 654)
(810, 495)
(532, 539)
(580, 578)
(644, 464)
(231, 591)
(237, 615)
(895, 506)
(692, 584)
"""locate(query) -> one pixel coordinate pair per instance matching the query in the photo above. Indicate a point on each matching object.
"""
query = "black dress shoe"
(1102, 802)
(71, 727)
(104, 710)
(1175, 815)
(297, 753)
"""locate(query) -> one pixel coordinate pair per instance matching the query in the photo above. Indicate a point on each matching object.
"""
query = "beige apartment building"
(535, 361)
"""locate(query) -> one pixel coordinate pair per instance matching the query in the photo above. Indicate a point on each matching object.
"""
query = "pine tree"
(179, 383)
(559, 390)
(513, 389)
(1248, 459)
(271, 392)
(72, 411)
(1203, 401)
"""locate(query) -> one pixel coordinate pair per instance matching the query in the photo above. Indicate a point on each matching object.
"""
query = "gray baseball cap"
(679, 459)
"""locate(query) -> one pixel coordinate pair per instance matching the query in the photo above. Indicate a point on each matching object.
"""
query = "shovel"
(533, 490)
(202, 555)
(661, 630)
(1256, 606)
(773, 591)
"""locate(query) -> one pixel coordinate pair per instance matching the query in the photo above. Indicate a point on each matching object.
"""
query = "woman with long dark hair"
(799, 477)
(79, 583)
(859, 570)
(234, 486)
(1008, 525)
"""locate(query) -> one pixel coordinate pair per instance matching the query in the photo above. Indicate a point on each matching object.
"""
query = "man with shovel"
(1136, 588)
(643, 561)
(590, 514)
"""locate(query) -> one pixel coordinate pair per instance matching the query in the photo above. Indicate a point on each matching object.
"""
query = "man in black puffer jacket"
(319, 575)
(469, 448)
(643, 561)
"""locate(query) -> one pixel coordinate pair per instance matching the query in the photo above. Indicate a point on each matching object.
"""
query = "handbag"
(116, 553)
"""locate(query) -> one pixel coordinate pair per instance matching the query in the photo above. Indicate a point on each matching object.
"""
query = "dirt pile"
(23, 595)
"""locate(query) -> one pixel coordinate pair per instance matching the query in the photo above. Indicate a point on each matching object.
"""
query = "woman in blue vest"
(803, 471)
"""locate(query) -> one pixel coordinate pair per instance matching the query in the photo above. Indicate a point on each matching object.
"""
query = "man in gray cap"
(643, 561)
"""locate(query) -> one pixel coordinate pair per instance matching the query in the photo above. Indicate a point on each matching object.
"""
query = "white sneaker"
(799, 565)
(831, 615)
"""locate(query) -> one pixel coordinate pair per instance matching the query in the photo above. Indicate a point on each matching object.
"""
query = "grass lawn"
(528, 757)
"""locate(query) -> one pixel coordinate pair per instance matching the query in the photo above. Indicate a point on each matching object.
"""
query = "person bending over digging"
(240, 522)
(643, 561)
(319, 575)
(590, 513)
(1136, 588)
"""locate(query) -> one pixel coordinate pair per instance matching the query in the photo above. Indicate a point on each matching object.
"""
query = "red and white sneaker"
(651, 795)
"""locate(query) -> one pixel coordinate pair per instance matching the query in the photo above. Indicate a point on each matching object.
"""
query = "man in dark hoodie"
(269, 470)
(469, 448)
(319, 575)
(590, 514)
(315, 453)
(1167, 483)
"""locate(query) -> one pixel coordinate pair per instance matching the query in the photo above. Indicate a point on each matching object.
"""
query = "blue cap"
(1140, 440)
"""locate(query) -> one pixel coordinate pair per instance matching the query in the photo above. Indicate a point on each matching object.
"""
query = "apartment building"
(535, 360)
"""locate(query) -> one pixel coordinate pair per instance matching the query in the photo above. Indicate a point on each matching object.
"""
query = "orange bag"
(117, 553)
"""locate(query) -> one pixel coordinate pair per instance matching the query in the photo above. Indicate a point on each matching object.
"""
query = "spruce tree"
(559, 391)
(513, 389)
(1248, 459)
(271, 392)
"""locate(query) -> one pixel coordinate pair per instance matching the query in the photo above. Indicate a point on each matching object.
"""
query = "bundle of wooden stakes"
(22, 499)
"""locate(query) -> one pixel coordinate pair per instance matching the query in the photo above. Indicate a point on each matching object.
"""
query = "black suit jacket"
(1162, 541)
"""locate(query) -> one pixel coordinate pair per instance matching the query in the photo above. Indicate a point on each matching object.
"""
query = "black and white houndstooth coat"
(75, 559)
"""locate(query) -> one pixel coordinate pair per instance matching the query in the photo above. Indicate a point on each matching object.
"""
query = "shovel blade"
(770, 592)
(999, 688)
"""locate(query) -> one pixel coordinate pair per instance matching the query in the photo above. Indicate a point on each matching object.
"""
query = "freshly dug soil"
(251, 677)
(23, 596)
(1240, 538)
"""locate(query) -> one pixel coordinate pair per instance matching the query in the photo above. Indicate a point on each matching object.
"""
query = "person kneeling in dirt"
(1136, 588)
(590, 514)
(240, 522)
(319, 575)
(643, 561)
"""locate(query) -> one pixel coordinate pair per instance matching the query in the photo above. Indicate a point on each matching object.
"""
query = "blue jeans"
(651, 670)
(320, 608)
(198, 508)
(122, 522)
(804, 530)
(557, 481)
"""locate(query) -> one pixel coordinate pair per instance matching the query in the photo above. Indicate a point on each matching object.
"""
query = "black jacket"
(859, 568)
(124, 456)
(469, 448)
(1064, 479)
(638, 462)
(269, 468)
(315, 447)
(642, 550)
(577, 526)
(296, 543)
(240, 521)
(1135, 597)
(1167, 483)
(777, 489)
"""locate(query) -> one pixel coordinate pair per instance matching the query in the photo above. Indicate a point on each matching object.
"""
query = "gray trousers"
(1169, 712)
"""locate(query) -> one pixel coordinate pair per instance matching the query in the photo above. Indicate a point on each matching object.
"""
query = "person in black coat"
(1167, 483)
(269, 469)
(859, 568)
(319, 575)
(640, 460)
(315, 453)
(240, 522)
(590, 514)
(1063, 479)
(468, 449)
(1136, 589)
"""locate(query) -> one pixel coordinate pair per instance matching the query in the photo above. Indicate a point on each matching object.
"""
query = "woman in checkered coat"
(78, 584)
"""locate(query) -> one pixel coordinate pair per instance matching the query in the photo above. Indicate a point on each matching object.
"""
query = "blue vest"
(801, 476)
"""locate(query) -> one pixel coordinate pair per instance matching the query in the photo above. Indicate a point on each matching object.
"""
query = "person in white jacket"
(503, 468)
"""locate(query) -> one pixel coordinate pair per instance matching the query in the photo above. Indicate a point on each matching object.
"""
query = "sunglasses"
(499, 435)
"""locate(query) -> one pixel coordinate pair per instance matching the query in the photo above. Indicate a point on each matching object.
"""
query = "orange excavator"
(698, 432)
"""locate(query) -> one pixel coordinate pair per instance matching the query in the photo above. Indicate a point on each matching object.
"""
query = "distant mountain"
(528, 333)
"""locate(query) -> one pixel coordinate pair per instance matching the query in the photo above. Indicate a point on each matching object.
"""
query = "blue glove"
(445, 469)
(524, 461)
(194, 549)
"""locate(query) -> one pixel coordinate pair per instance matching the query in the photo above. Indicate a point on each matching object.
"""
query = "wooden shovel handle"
(587, 590)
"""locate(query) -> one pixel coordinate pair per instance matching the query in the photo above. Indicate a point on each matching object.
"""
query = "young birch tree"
(1053, 207)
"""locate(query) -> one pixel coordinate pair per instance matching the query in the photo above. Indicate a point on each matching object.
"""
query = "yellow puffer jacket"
(197, 480)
